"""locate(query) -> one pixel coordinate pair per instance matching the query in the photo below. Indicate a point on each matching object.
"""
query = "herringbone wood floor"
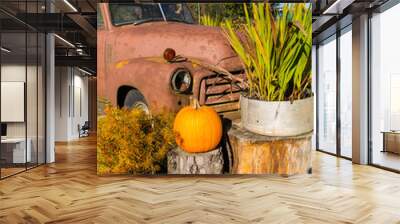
(70, 192)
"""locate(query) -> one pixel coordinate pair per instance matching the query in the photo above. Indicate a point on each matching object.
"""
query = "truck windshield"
(133, 13)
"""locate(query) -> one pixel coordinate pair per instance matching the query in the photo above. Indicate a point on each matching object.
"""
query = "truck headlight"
(181, 81)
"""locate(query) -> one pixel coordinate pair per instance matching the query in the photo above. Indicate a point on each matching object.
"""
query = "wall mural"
(204, 89)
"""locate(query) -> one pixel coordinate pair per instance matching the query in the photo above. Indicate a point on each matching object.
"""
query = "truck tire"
(134, 99)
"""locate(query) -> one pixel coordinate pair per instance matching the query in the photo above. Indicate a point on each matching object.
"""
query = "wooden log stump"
(181, 162)
(258, 154)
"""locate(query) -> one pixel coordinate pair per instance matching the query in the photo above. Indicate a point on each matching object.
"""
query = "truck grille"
(219, 92)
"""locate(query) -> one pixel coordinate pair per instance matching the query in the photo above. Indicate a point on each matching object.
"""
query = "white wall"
(80, 110)
(34, 125)
(71, 102)
(12, 73)
(16, 73)
(9, 73)
(62, 82)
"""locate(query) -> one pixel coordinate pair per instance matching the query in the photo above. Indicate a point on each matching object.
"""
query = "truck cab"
(132, 72)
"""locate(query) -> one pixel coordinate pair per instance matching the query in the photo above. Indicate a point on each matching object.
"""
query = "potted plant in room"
(275, 49)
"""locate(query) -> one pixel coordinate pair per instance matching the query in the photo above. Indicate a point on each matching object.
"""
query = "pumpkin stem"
(194, 103)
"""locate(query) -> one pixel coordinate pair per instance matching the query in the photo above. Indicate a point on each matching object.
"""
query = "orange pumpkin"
(197, 129)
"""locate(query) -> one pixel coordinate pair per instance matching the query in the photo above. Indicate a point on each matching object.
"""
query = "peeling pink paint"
(131, 55)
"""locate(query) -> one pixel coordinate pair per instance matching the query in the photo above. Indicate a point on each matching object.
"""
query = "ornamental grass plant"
(275, 47)
(131, 141)
(207, 20)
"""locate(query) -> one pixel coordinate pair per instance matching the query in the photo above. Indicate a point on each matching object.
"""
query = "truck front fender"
(150, 77)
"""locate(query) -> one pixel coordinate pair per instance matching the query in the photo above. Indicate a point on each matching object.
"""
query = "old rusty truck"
(132, 72)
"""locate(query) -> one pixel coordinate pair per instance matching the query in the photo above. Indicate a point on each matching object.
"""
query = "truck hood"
(151, 39)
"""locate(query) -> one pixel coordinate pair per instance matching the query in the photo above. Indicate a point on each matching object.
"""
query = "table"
(13, 150)
(391, 141)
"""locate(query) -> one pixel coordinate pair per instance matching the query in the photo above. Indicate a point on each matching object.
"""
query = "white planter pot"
(277, 118)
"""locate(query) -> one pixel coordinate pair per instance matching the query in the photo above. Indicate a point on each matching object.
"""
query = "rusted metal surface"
(220, 92)
(231, 106)
(277, 118)
(222, 98)
(222, 89)
(131, 55)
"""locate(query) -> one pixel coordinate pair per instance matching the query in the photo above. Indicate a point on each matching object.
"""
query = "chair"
(84, 130)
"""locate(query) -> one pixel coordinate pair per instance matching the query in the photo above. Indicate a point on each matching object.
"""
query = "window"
(394, 102)
(131, 13)
(100, 22)
(128, 13)
(22, 75)
(177, 12)
(346, 93)
(334, 96)
(327, 96)
(385, 89)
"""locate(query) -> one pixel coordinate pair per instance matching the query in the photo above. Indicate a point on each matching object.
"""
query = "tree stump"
(181, 162)
(258, 154)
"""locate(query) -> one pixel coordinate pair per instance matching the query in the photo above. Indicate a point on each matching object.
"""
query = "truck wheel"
(134, 99)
